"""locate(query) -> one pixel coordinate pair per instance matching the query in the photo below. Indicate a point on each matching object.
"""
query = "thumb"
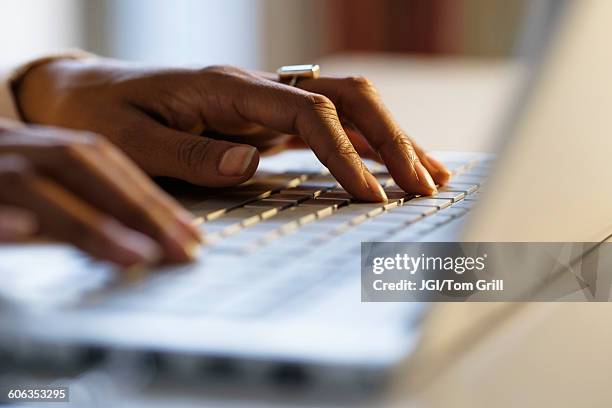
(199, 159)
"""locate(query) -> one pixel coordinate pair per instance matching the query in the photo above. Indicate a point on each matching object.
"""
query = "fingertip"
(236, 160)
(425, 178)
(376, 192)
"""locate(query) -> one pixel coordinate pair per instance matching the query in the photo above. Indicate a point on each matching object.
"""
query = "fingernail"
(375, 186)
(236, 161)
(424, 177)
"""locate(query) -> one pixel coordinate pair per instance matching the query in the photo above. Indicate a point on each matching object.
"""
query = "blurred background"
(414, 50)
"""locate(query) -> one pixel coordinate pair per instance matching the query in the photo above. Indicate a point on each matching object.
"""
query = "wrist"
(35, 89)
(35, 85)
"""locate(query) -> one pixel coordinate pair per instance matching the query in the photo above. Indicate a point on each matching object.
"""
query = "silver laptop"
(276, 293)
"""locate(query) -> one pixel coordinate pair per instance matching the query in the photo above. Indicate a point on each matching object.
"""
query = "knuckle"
(346, 149)
(313, 109)
(361, 83)
(320, 106)
(317, 102)
(222, 70)
(400, 140)
(343, 149)
(357, 90)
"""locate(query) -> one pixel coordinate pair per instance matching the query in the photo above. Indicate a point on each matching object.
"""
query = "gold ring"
(290, 74)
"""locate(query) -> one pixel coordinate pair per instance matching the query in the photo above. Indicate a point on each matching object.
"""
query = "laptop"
(276, 294)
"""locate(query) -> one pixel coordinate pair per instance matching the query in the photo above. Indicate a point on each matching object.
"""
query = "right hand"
(207, 126)
(78, 188)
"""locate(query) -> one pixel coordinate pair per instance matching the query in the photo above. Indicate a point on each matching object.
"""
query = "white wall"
(260, 34)
(30, 27)
(179, 32)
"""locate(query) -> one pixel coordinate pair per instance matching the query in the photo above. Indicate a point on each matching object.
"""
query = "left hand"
(201, 125)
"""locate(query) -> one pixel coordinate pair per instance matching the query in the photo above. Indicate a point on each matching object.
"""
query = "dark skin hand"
(209, 126)
(79, 188)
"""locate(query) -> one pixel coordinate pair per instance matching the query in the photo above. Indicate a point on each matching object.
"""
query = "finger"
(92, 177)
(99, 173)
(197, 159)
(438, 171)
(441, 173)
(359, 102)
(61, 215)
(87, 166)
(151, 193)
(361, 144)
(314, 118)
(16, 224)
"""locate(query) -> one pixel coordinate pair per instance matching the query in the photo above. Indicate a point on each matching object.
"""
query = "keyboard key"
(280, 205)
(320, 211)
(251, 190)
(451, 195)
(425, 211)
(293, 198)
(288, 179)
(228, 199)
(367, 209)
(233, 221)
(301, 215)
(464, 188)
(316, 202)
(397, 192)
(215, 207)
(342, 195)
(393, 203)
(301, 190)
(429, 202)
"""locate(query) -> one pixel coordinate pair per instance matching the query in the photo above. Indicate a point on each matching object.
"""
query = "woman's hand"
(78, 188)
(205, 126)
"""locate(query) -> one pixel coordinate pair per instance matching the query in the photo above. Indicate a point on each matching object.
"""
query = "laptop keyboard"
(317, 209)
(278, 243)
